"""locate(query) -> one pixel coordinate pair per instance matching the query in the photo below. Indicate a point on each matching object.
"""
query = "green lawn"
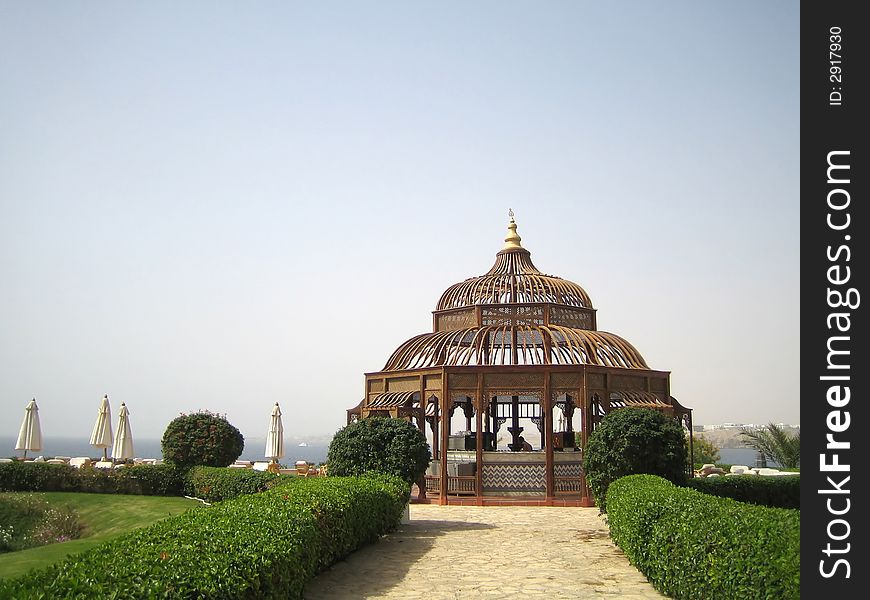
(104, 516)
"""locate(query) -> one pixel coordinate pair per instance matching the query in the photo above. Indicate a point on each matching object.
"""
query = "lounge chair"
(80, 461)
(261, 466)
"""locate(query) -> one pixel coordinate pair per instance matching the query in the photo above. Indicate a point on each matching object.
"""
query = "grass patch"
(104, 516)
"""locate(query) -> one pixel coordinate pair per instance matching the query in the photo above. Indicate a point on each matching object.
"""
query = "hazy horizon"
(220, 206)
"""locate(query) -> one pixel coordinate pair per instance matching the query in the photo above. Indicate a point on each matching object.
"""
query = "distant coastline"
(150, 448)
(730, 438)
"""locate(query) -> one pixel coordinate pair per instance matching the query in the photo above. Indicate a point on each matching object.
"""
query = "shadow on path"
(373, 571)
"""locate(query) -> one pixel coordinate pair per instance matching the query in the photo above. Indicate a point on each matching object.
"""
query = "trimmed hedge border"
(694, 546)
(144, 480)
(265, 545)
(780, 492)
(214, 484)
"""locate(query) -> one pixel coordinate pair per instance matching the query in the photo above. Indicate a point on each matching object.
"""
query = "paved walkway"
(452, 552)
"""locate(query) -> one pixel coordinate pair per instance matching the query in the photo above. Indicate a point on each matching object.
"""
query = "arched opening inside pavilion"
(510, 383)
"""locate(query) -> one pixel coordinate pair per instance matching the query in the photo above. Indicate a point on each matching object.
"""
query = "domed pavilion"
(513, 354)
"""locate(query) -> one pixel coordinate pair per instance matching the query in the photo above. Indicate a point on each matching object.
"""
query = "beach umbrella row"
(101, 438)
(30, 435)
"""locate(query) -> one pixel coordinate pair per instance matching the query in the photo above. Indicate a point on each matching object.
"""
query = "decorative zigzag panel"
(519, 477)
(513, 477)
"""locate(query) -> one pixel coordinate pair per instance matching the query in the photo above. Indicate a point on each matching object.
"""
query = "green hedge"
(694, 546)
(266, 545)
(148, 480)
(37, 477)
(209, 483)
(219, 483)
(780, 492)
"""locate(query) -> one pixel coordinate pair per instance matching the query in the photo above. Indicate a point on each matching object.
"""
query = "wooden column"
(547, 426)
(435, 429)
(421, 419)
(586, 419)
(515, 429)
(493, 417)
(445, 434)
(478, 468)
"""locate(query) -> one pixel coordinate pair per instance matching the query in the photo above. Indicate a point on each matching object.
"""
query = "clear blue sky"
(221, 205)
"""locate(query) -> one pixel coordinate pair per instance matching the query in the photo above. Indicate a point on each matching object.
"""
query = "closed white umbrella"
(102, 434)
(275, 436)
(30, 435)
(123, 447)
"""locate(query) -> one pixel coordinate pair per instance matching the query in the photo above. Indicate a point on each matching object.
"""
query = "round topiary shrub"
(201, 438)
(382, 445)
(632, 441)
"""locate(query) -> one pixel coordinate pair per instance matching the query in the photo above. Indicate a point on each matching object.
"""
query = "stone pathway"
(453, 552)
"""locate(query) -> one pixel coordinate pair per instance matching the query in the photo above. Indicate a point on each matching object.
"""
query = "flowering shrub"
(201, 438)
(6, 532)
(31, 521)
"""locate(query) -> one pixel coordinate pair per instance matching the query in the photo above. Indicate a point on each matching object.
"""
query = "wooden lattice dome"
(515, 315)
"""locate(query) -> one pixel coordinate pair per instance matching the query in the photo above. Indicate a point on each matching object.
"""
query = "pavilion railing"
(433, 485)
(456, 485)
(567, 485)
(461, 484)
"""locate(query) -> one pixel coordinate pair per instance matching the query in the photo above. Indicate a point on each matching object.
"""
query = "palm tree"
(775, 444)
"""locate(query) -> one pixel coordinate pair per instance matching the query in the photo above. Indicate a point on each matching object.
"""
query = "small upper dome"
(514, 279)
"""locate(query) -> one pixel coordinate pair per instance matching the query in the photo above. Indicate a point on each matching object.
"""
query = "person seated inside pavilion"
(525, 446)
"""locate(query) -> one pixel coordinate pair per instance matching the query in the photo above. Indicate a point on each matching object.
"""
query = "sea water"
(150, 448)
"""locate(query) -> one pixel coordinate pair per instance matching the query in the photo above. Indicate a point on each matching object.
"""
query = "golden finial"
(512, 241)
